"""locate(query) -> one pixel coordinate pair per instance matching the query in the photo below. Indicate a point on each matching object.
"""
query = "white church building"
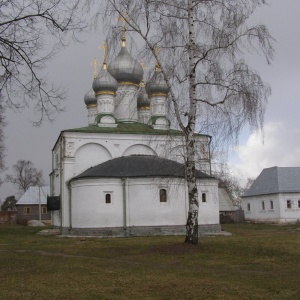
(123, 174)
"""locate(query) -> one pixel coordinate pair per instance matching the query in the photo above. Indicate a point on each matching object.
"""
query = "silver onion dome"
(157, 84)
(104, 82)
(90, 98)
(142, 98)
(125, 68)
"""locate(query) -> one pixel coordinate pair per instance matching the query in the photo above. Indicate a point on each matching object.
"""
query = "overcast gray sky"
(71, 68)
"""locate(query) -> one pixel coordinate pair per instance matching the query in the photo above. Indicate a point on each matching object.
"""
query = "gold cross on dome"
(95, 64)
(156, 51)
(123, 20)
(104, 47)
(143, 66)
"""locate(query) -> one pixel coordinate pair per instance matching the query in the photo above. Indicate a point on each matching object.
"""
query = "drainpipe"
(210, 138)
(51, 183)
(70, 207)
(124, 207)
(40, 206)
(60, 179)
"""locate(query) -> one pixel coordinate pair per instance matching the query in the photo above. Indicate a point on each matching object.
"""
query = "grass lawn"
(256, 262)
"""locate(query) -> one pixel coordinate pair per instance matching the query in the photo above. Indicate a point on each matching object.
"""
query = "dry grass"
(256, 262)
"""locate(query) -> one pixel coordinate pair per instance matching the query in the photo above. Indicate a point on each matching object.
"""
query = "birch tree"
(202, 46)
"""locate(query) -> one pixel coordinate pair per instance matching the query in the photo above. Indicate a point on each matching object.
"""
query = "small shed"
(226, 208)
(33, 205)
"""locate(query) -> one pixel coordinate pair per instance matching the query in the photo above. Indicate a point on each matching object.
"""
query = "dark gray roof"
(138, 166)
(275, 180)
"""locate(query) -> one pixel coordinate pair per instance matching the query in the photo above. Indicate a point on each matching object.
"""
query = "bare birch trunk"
(192, 220)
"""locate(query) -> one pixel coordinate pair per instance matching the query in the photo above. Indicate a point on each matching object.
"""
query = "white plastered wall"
(83, 150)
(280, 213)
(143, 206)
(89, 209)
(209, 210)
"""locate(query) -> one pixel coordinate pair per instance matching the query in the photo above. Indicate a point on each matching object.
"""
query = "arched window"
(203, 197)
(163, 195)
(108, 198)
(248, 207)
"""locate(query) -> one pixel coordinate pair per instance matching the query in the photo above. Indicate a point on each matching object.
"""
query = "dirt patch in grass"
(176, 249)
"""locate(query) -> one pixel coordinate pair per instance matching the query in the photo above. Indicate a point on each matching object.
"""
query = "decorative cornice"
(91, 105)
(158, 95)
(128, 83)
(144, 108)
(105, 93)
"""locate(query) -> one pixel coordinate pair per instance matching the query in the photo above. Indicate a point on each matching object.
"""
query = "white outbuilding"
(274, 196)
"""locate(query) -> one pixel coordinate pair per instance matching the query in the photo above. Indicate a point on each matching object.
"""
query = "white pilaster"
(126, 106)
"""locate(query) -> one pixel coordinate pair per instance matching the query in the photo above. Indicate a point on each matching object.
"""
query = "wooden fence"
(8, 217)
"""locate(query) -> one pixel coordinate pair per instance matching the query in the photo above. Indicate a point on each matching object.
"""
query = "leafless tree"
(25, 175)
(202, 45)
(31, 32)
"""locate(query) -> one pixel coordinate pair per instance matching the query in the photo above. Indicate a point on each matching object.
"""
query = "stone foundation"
(140, 231)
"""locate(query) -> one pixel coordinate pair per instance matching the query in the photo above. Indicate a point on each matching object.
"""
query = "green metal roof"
(129, 128)
(133, 128)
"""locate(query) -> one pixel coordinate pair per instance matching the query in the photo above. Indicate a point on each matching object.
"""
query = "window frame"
(163, 198)
(203, 197)
(107, 198)
(27, 210)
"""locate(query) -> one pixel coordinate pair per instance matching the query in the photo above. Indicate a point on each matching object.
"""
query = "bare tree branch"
(25, 29)
(25, 175)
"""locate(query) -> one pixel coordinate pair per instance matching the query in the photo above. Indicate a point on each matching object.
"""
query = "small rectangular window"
(44, 210)
(203, 197)
(248, 207)
(288, 204)
(298, 203)
(162, 195)
(27, 211)
(107, 198)
(263, 205)
(271, 204)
